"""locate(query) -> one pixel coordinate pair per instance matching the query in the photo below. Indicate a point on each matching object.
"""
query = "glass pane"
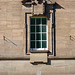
(32, 36)
(32, 44)
(38, 28)
(32, 29)
(38, 36)
(38, 44)
(44, 36)
(43, 28)
(44, 44)
(32, 21)
(43, 20)
(38, 20)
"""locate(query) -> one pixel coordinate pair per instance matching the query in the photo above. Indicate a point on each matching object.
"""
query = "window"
(38, 34)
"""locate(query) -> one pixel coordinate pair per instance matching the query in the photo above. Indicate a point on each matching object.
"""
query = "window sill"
(39, 51)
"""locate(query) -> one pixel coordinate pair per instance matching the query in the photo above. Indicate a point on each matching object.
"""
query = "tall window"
(38, 34)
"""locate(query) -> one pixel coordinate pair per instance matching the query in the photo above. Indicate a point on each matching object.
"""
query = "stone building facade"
(37, 37)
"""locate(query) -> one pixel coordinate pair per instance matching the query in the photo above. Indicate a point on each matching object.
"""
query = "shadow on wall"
(41, 1)
(57, 6)
(26, 1)
(51, 7)
(53, 29)
(8, 40)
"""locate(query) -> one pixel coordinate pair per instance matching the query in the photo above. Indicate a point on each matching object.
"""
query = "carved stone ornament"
(38, 5)
(36, 1)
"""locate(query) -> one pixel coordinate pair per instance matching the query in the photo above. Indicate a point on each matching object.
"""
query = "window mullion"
(35, 32)
(41, 32)
(46, 33)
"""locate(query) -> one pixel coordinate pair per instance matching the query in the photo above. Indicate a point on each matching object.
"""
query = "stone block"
(38, 57)
(38, 9)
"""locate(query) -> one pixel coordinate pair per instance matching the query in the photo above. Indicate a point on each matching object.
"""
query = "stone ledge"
(27, 57)
(61, 57)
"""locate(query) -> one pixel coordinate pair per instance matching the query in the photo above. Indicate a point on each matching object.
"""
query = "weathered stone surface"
(57, 67)
(13, 28)
(38, 57)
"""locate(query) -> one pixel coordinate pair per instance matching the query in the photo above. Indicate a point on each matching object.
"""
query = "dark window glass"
(38, 28)
(44, 44)
(32, 21)
(43, 28)
(32, 29)
(44, 36)
(32, 44)
(32, 36)
(38, 44)
(43, 20)
(38, 36)
(38, 20)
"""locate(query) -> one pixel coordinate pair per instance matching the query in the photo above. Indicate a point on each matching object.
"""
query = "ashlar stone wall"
(13, 30)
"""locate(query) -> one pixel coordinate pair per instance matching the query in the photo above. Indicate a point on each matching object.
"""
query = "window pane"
(38, 28)
(32, 45)
(43, 28)
(38, 36)
(32, 36)
(38, 44)
(44, 44)
(32, 29)
(43, 20)
(32, 21)
(38, 20)
(44, 36)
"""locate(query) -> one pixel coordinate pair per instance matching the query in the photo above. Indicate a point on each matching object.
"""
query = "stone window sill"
(39, 51)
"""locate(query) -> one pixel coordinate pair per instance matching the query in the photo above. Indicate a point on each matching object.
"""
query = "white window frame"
(41, 33)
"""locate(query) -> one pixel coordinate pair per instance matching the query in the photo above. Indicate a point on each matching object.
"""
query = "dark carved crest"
(39, 1)
(39, 6)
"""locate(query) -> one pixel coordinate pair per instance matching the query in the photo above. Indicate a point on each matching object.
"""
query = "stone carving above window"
(37, 1)
(38, 6)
